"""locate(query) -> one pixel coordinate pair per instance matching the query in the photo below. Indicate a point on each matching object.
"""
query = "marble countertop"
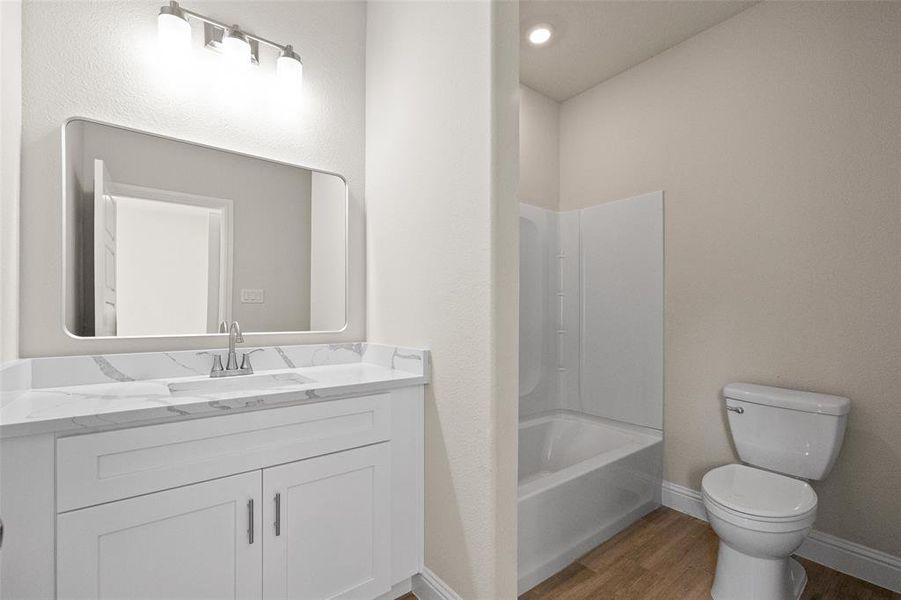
(113, 398)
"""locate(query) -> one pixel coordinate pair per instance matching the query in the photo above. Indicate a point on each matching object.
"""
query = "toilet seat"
(759, 499)
(756, 524)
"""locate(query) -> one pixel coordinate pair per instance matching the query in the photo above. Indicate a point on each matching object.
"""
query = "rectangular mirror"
(168, 237)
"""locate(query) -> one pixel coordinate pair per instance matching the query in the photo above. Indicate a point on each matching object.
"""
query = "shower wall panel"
(622, 310)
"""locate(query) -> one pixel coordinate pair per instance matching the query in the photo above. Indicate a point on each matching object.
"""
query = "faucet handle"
(245, 360)
(217, 364)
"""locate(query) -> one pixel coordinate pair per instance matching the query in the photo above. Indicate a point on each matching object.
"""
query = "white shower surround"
(621, 352)
(596, 356)
(549, 330)
(591, 377)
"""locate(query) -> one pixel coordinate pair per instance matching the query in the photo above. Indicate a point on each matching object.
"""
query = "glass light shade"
(236, 49)
(174, 32)
(289, 72)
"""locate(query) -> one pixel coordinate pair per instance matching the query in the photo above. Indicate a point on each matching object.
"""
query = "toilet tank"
(787, 431)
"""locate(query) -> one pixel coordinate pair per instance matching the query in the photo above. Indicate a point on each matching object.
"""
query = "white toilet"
(762, 515)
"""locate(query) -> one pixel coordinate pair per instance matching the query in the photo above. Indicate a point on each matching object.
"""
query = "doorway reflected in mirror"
(167, 237)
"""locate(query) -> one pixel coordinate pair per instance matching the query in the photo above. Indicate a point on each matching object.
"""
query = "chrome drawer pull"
(250, 521)
(278, 514)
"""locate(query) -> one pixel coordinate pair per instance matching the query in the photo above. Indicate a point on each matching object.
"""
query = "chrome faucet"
(234, 336)
(231, 361)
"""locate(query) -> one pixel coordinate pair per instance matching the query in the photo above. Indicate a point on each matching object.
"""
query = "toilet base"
(744, 577)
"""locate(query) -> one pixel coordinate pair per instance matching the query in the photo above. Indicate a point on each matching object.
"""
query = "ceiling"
(597, 39)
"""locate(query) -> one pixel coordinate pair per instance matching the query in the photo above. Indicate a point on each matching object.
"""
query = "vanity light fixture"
(238, 46)
(289, 69)
(173, 28)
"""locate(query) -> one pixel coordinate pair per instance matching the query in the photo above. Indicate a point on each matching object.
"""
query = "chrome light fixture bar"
(230, 40)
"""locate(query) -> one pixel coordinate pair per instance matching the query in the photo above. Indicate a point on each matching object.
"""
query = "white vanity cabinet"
(322, 524)
(310, 501)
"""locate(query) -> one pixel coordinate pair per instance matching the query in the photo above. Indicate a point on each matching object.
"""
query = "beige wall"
(10, 127)
(110, 71)
(505, 290)
(441, 262)
(539, 149)
(777, 139)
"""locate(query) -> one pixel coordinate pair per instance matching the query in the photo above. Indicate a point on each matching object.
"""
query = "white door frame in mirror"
(222, 296)
(140, 192)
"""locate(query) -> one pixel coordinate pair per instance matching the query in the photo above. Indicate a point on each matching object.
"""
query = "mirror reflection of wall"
(166, 237)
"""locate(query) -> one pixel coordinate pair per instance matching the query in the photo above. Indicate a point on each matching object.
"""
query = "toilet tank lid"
(812, 402)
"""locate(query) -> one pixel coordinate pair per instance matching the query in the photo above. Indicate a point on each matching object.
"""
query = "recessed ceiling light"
(540, 35)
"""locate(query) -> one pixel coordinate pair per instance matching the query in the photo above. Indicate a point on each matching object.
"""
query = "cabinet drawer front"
(101, 467)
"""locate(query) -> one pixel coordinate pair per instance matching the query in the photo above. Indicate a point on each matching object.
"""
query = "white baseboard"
(428, 586)
(865, 563)
(848, 557)
(683, 499)
(398, 590)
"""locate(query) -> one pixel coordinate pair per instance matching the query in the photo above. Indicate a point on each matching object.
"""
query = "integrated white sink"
(237, 383)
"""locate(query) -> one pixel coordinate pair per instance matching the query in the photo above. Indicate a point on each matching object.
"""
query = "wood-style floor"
(669, 555)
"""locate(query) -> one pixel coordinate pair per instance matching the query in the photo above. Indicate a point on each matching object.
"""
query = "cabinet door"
(330, 537)
(198, 541)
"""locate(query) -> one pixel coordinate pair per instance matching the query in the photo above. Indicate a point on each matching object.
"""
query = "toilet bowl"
(761, 518)
(763, 509)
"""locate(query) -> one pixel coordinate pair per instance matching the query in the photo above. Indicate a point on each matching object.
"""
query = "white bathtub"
(581, 481)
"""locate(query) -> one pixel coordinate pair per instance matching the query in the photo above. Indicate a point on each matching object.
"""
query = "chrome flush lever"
(736, 409)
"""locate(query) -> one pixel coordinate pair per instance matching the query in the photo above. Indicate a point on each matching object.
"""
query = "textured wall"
(777, 139)
(10, 126)
(442, 263)
(103, 64)
(539, 149)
